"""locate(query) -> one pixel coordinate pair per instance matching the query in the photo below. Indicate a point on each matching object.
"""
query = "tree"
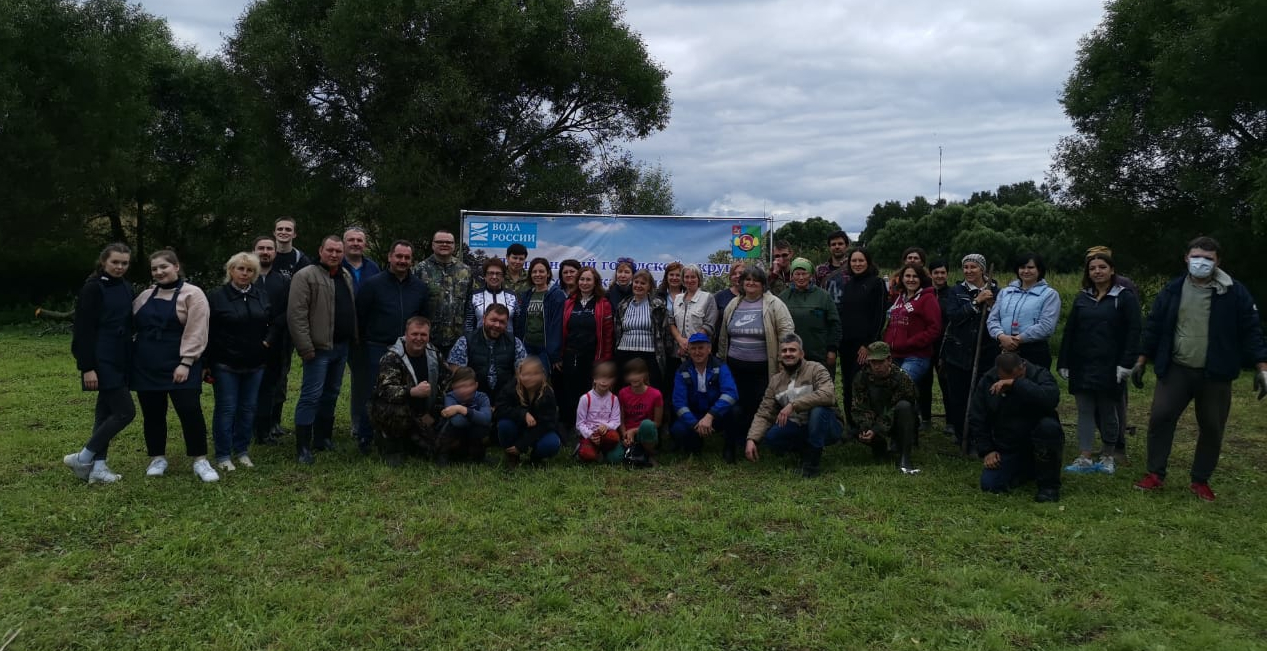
(404, 113)
(808, 235)
(639, 189)
(1169, 101)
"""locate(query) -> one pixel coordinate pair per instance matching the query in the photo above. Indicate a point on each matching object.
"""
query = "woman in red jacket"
(588, 331)
(914, 322)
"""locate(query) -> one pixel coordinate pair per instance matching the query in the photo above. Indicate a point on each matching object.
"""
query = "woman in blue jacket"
(1026, 312)
(101, 344)
(539, 319)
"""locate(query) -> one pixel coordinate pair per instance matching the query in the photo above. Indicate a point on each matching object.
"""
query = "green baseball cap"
(878, 351)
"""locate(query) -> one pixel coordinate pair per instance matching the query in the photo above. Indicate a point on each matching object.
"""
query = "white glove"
(1064, 374)
(1123, 373)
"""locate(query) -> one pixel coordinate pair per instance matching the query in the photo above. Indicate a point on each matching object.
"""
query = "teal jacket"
(816, 318)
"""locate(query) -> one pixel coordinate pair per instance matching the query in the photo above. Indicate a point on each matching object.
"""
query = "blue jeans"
(547, 446)
(916, 367)
(363, 389)
(319, 392)
(232, 421)
(690, 442)
(822, 429)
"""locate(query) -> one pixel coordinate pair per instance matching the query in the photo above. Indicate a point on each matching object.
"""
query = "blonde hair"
(244, 259)
(525, 398)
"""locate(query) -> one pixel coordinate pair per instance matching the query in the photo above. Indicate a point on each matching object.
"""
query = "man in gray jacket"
(322, 325)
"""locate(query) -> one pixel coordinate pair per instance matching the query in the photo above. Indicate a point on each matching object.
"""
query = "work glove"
(1137, 376)
(1064, 374)
(1123, 373)
(1260, 384)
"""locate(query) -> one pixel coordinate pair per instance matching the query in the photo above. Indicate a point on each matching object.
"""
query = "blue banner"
(599, 241)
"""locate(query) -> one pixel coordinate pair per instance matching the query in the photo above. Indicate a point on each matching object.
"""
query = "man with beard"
(798, 411)
(272, 393)
(489, 350)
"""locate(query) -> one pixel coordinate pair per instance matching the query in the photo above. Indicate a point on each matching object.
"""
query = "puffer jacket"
(1100, 335)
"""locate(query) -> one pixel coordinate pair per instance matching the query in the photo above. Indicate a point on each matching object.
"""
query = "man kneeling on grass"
(798, 409)
(405, 401)
(1014, 426)
(884, 400)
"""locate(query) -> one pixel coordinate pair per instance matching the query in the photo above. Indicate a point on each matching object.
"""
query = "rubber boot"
(728, 452)
(323, 434)
(1047, 474)
(811, 463)
(303, 443)
(391, 448)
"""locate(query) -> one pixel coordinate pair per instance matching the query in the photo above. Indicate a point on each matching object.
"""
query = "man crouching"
(407, 396)
(798, 410)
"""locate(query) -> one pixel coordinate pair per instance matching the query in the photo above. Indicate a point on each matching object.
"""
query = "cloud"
(605, 226)
(802, 107)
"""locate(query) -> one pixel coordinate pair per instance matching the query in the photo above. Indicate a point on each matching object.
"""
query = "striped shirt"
(636, 335)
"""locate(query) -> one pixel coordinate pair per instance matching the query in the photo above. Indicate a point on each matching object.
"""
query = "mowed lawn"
(349, 554)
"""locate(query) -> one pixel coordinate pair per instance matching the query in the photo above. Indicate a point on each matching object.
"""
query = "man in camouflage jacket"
(408, 394)
(884, 399)
(449, 281)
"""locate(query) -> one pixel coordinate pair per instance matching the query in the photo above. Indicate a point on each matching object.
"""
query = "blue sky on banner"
(652, 240)
(798, 108)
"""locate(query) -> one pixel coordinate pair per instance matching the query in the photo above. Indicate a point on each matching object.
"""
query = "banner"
(599, 241)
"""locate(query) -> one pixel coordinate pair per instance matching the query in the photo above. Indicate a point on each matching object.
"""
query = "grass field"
(349, 554)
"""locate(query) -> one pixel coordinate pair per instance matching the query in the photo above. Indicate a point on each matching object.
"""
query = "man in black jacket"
(272, 394)
(384, 303)
(1015, 428)
(1203, 329)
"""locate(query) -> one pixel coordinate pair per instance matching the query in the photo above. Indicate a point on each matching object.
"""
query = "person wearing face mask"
(101, 344)
(171, 320)
(1203, 328)
(798, 410)
(1026, 312)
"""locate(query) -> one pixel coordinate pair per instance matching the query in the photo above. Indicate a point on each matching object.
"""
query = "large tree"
(404, 112)
(1169, 100)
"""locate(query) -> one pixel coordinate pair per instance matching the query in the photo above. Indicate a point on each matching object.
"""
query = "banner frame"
(768, 258)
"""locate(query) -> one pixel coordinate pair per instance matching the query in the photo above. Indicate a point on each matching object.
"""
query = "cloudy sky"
(802, 107)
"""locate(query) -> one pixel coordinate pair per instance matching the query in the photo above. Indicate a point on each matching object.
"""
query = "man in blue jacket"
(1203, 329)
(704, 393)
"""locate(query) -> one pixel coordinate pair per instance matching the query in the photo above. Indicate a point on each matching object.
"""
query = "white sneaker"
(157, 467)
(205, 472)
(81, 470)
(102, 475)
(226, 465)
(1107, 465)
(245, 461)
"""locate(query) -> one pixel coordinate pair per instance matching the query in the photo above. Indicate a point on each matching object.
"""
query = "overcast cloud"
(803, 107)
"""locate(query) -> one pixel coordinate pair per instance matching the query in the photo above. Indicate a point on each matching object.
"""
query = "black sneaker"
(1047, 495)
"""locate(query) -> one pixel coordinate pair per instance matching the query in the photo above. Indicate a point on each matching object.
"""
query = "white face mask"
(1200, 268)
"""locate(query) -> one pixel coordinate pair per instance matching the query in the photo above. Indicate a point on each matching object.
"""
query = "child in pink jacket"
(598, 418)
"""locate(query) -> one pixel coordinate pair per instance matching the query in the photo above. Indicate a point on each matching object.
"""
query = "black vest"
(500, 352)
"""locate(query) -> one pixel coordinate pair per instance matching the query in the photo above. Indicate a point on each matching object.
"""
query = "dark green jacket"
(816, 318)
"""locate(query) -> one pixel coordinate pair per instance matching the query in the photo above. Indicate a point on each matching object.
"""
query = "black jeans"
(751, 379)
(188, 409)
(114, 412)
(849, 367)
(1174, 392)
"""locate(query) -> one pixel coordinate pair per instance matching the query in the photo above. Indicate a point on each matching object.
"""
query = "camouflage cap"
(878, 351)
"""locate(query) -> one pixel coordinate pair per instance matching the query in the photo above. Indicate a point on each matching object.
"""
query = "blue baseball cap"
(698, 338)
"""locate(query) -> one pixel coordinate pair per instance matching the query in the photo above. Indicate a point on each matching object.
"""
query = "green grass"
(349, 554)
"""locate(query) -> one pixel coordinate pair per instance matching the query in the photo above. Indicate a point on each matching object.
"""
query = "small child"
(468, 418)
(527, 415)
(598, 418)
(643, 408)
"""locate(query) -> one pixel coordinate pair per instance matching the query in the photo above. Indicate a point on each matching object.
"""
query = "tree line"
(391, 116)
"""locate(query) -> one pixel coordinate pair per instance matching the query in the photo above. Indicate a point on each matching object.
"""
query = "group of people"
(447, 359)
